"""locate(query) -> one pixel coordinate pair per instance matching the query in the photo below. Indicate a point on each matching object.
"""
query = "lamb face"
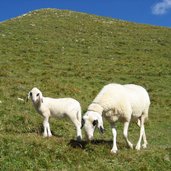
(36, 95)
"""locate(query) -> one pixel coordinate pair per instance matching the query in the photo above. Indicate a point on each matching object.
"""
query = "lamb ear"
(95, 122)
(82, 123)
(28, 97)
(41, 98)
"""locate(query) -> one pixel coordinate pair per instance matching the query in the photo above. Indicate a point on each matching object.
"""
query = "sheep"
(60, 107)
(118, 103)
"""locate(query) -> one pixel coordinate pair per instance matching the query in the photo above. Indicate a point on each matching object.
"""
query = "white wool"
(127, 100)
(120, 102)
(60, 107)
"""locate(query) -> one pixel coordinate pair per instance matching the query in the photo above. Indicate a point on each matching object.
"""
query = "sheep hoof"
(44, 135)
(79, 138)
(137, 147)
(50, 135)
(131, 146)
(113, 151)
(144, 146)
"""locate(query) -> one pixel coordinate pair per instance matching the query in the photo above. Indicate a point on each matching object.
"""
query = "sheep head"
(90, 121)
(36, 96)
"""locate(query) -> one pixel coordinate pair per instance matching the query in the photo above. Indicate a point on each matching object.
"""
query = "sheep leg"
(145, 140)
(142, 132)
(78, 127)
(114, 132)
(144, 135)
(145, 116)
(139, 122)
(125, 133)
(47, 132)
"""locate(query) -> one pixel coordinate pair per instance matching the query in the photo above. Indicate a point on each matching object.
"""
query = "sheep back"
(60, 107)
(122, 101)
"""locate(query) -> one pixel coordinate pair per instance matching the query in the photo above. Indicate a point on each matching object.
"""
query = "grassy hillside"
(73, 54)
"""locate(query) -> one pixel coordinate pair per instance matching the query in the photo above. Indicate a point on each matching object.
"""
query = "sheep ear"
(82, 123)
(101, 130)
(41, 98)
(95, 122)
(28, 97)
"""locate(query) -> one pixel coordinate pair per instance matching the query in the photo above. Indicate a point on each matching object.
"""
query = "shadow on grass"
(77, 144)
(82, 144)
(108, 143)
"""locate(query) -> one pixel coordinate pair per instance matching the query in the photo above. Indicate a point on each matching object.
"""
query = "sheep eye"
(37, 94)
(95, 122)
(30, 93)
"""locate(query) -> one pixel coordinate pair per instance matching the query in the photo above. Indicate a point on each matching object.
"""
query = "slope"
(65, 53)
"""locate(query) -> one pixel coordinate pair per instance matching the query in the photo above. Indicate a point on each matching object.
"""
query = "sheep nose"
(89, 137)
(33, 100)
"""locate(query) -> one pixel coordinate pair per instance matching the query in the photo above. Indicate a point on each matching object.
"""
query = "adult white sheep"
(118, 102)
(61, 107)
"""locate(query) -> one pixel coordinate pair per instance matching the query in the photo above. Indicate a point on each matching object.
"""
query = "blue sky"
(154, 12)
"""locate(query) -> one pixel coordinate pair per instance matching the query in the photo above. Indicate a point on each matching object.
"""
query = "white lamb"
(118, 102)
(56, 108)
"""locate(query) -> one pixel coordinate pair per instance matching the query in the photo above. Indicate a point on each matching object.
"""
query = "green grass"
(74, 54)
